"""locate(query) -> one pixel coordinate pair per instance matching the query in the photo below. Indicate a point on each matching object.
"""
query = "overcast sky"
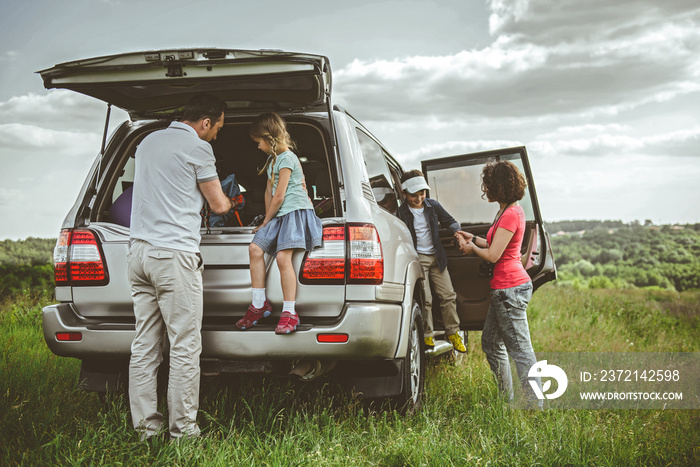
(605, 95)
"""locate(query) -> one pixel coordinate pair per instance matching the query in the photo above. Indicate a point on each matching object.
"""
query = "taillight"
(352, 252)
(326, 265)
(78, 259)
(366, 258)
(60, 258)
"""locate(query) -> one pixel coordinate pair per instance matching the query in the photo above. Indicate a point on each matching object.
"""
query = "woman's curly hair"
(502, 181)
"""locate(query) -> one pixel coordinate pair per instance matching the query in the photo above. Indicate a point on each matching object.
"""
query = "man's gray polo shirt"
(166, 198)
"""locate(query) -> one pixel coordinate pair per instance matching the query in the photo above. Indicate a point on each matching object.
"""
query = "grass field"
(46, 420)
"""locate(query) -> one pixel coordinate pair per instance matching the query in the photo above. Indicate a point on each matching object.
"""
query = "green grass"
(249, 420)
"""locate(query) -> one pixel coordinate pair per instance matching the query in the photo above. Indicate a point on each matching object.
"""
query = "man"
(175, 171)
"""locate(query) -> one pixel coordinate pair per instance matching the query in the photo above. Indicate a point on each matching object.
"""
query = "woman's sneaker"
(253, 315)
(288, 323)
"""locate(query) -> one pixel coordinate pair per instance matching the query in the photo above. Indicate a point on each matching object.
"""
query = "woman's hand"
(465, 235)
(467, 249)
(466, 242)
(465, 246)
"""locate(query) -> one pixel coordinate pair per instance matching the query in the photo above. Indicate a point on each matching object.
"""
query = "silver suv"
(359, 297)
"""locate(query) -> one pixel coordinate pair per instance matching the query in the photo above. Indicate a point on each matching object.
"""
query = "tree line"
(26, 266)
(627, 256)
(579, 225)
(588, 253)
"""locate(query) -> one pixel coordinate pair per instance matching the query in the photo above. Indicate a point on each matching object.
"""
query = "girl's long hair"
(272, 129)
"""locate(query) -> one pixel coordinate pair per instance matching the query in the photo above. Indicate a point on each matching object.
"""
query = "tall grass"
(250, 420)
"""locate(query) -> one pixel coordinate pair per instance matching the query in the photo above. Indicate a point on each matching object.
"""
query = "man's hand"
(218, 201)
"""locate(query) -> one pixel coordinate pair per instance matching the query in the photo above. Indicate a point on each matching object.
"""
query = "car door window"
(463, 178)
(380, 178)
(126, 179)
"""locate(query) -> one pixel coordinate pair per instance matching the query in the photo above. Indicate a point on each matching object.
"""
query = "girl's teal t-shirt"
(296, 196)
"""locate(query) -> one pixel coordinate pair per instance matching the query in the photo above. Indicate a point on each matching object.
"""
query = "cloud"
(47, 143)
(544, 60)
(595, 142)
(11, 196)
(9, 56)
(54, 143)
(615, 139)
(57, 108)
(625, 187)
(51, 130)
(431, 151)
(544, 22)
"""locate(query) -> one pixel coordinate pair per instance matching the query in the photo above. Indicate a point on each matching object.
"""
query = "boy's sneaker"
(288, 323)
(457, 343)
(429, 342)
(253, 315)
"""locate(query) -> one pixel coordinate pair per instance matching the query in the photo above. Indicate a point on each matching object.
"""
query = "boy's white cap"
(415, 184)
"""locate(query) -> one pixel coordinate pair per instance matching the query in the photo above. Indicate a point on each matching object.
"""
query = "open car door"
(456, 183)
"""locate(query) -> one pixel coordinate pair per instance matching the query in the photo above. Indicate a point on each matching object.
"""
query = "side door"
(456, 183)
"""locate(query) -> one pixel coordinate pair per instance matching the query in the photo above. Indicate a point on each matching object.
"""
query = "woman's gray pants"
(506, 332)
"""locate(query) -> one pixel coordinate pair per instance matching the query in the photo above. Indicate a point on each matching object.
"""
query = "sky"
(604, 95)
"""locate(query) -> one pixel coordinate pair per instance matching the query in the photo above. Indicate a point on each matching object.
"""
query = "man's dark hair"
(203, 106)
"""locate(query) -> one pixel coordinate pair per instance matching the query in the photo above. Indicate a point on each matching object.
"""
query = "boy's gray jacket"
(435, 214)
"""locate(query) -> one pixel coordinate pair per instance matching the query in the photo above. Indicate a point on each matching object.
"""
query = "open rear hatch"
(151, 85)
(156, 85)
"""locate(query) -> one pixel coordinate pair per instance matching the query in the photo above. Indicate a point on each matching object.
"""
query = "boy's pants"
(443, 288)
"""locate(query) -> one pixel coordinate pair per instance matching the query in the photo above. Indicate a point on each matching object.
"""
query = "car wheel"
(410, 399)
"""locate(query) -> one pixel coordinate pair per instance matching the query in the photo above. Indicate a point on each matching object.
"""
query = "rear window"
(237, 154)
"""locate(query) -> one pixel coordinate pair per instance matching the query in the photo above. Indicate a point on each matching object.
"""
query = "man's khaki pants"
(166, 288)
(443, 288)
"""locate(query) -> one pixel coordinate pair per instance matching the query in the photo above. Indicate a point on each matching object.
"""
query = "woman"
(506, 330)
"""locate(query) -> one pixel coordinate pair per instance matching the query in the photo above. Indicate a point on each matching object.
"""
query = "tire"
(410, 399)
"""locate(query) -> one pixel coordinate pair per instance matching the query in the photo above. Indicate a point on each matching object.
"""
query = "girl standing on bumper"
(290, 222)
(506, 332)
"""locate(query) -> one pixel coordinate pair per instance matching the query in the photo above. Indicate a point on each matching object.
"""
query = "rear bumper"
(373, 333)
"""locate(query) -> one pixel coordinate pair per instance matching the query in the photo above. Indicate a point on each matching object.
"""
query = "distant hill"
(32, 251)
(26, 266)
(578, 225)
(611, 254)
(588, 254)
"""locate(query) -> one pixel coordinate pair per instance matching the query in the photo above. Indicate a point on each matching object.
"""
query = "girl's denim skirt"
(296, 229)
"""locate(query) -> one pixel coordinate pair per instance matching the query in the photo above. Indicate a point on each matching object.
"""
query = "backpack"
(231, 218)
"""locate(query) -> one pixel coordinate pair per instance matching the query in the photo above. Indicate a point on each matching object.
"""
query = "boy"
(422, 215)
